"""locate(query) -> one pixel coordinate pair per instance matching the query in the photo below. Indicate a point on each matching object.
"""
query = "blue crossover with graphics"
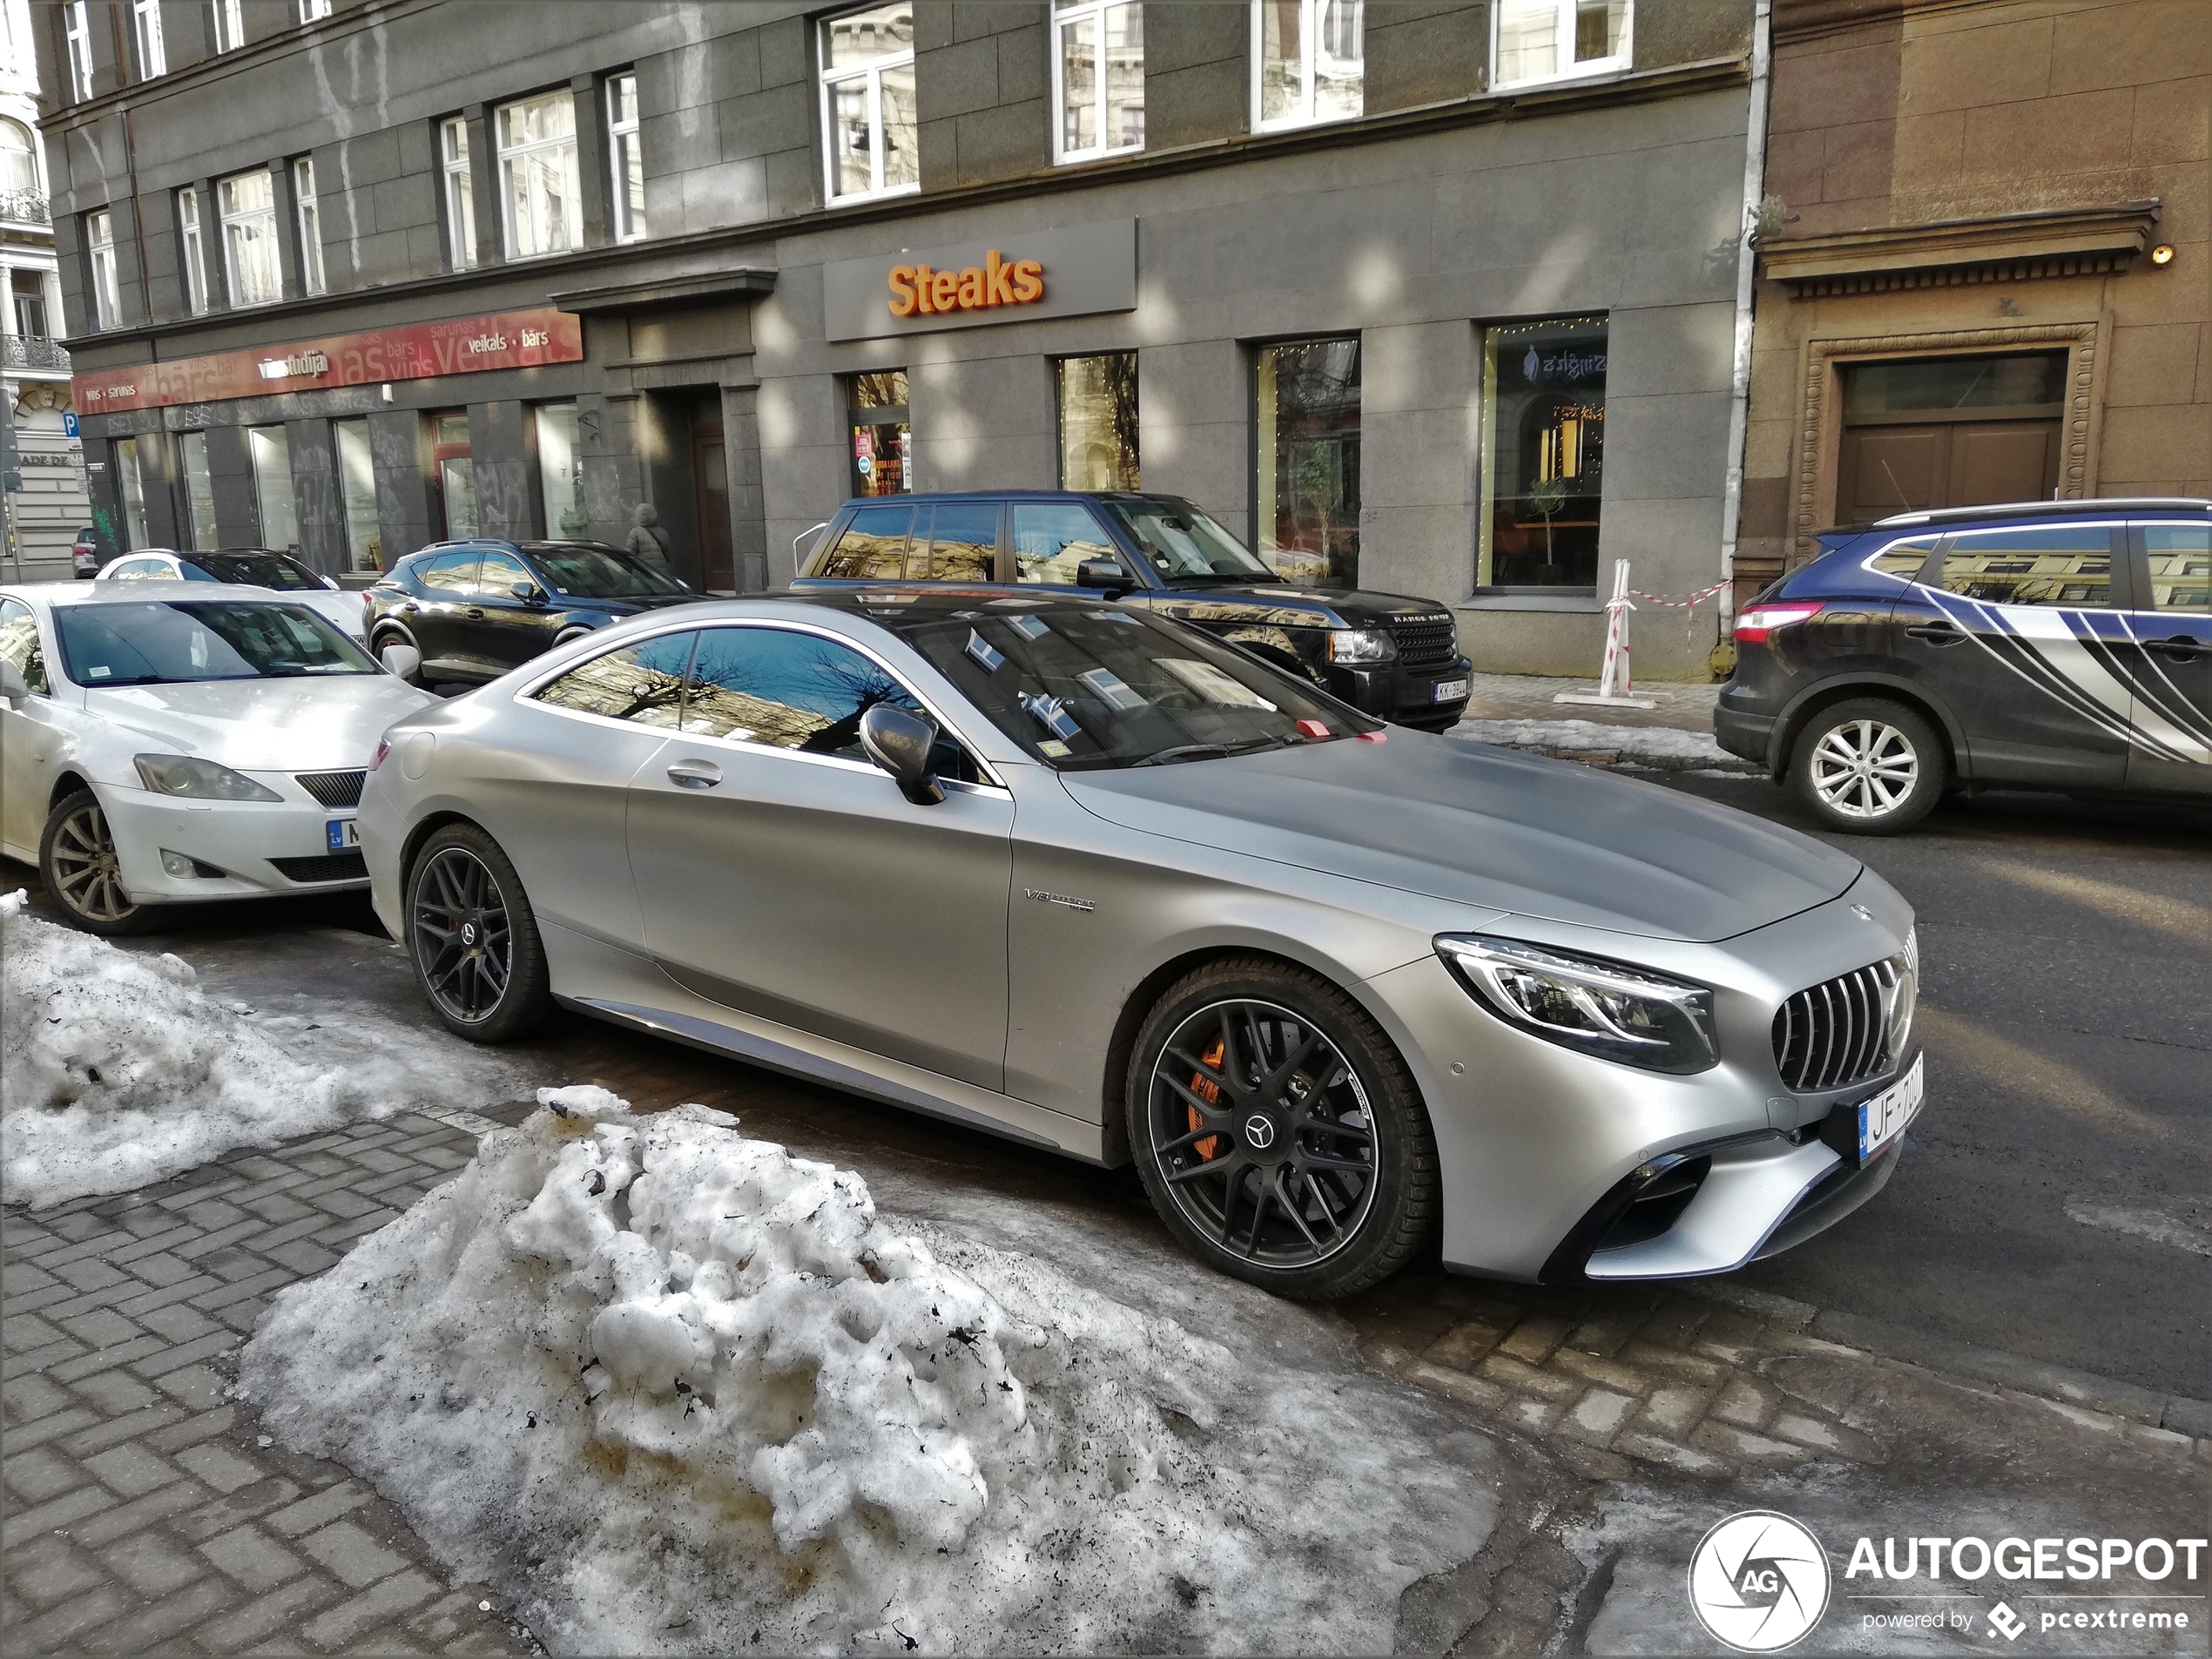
(2038, 645)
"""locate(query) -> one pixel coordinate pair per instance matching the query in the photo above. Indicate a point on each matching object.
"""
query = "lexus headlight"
(199, 779)
(1361, 645)
(1611, 1010)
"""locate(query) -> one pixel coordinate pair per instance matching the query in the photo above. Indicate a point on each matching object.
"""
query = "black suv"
(473, 609)
(2039, 646)
(1387, 656)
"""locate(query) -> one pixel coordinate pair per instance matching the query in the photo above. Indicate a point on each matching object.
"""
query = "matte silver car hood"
(1486, 828)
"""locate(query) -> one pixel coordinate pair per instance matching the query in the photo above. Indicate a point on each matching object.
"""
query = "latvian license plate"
(344, 834)
(1448, 691)
(1882, 1119)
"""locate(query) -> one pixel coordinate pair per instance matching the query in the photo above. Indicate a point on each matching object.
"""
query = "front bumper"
(242, 841)
(1406, 696)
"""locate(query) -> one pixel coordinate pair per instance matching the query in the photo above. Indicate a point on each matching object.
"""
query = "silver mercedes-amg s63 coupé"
(1097, 881)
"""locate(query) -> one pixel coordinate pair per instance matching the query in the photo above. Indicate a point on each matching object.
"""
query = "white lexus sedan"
(165, 744)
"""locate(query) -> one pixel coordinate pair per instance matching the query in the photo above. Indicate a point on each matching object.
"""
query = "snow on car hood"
(291, 725)
(1486, 827)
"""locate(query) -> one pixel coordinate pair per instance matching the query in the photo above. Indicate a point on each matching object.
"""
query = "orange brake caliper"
(1210, 1092)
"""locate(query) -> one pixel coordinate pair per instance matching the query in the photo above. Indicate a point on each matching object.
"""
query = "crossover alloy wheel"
(1869, 766)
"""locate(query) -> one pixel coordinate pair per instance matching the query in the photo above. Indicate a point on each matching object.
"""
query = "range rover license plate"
(343, 834)
(1882, 1119)
(1448, 691)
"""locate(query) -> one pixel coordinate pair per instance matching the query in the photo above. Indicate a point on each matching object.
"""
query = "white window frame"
(871, 72)
(307, 222)
(627, 227)
(107, 287)
(146, 34)
(313, 10)
(232, 264)
(506, 154)
(457, 167)
(1309, 51)
(76, 30)
(1065, 14)
(1596, 69)
(192, 250)
(229, 19)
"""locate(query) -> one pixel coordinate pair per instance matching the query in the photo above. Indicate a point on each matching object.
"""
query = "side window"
(2181, 566)
(644, 683)
(1052, 539)
(2060, 564)
(19, 642)
(874, 547)
(135, 569)
(964, 542)
(450, 576)
(191, 572)
(496, 576)
(1903, 559)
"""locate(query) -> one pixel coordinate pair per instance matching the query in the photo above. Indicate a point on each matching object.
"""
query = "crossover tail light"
(1755, 625)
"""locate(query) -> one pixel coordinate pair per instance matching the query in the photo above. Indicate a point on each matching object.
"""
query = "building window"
(1308, 448)
(18, 157)
(456, 473)
(357, 491)
(303, 198)
(875, 406)
(1099, 62)
(1543, 413)
(313, 10)
(560, 471)
(199, 492)
(1307, 62)
(228, 18)
(77, 32)
(146, 22)
(626, 158)
(271, 453)
(247, 203)
(31, 314)
(541, 201)
(868, 103)
(132, 490)
(1097, 421)
(107, 290)
(191, 251)
(1542, 40)
(461, 195)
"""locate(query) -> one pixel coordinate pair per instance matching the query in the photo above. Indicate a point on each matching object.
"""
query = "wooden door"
(1910, 466)
(710, 486)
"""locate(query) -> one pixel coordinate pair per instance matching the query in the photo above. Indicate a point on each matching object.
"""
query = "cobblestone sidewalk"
(143, 1514)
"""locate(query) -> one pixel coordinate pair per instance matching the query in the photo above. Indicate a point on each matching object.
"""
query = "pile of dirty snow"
(1665, 747)
(675, 1390)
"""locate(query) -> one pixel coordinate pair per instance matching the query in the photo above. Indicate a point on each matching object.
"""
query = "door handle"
(412, 609)
(1937, 633)
(476, 613)
(695, 774)
(2182, 648)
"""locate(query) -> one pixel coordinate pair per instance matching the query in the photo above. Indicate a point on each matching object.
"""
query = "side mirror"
(401, 660)
(332, 582)
(13, 687)
(1106, 574)
(526, 591)
(899, 743)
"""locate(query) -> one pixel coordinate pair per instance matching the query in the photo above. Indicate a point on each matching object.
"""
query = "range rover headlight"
(198, 779)
(1361, 645)
(1611, 1010)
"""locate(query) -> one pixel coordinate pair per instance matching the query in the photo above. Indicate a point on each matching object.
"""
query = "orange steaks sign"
(1067, 271)
(997, 281)
(465, 346)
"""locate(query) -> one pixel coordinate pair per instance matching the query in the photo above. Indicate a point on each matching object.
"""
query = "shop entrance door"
(455, 474)
(1949, 432)
(711, 495)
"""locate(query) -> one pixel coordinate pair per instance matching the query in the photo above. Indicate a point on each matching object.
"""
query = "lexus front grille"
(333, 788)
(1840, 1032)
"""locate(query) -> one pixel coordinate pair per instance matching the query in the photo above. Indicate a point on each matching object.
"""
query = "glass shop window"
(876, 415)
(1543, 406)
(1098, 421)
(1308, 442)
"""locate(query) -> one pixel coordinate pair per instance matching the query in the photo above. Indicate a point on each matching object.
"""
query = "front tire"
(1869, 767)
(1278, 1131)
(78, 863)
(473, 938)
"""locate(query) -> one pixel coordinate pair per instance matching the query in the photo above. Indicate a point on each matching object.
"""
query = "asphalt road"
(2055, 1201)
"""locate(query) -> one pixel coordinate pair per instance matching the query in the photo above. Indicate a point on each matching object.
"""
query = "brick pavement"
(141, 1512)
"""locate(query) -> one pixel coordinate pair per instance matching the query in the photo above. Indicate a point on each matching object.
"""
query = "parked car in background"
(2060, 644)
(84, 554)
(165, 743)
(252, 567)
(1085, 876)
(471, 611)
(1388, 656)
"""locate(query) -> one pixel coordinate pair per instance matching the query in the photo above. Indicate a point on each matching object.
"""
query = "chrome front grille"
(1846, 1029)
(333, 788)
(1425, 644)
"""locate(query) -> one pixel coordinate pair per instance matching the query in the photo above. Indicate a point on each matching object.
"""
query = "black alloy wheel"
(1278, 1132)
(473, 938)
(81, 869)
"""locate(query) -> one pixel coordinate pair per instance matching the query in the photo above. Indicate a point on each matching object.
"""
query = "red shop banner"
(464, 345)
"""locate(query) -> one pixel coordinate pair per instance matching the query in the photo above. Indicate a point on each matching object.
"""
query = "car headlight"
(1361, 645)
(1611, 1010)
(199, 779)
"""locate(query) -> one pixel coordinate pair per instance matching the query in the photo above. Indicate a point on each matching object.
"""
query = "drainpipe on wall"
(1739, 398)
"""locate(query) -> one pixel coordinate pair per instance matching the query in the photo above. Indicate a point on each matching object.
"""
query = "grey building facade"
(1434, 297)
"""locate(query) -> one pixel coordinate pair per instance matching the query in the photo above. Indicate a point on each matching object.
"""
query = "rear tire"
(1869, 767)
(473, 938)
(80, 866)
(1278, 1132)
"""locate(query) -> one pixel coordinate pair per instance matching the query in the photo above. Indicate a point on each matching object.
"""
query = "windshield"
(586, 571)
(1180, 541)
(256, 569)
(1086, 689)
(168, 642)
